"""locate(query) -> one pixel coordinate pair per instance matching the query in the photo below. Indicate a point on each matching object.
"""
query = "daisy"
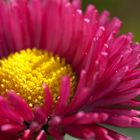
(63, 71)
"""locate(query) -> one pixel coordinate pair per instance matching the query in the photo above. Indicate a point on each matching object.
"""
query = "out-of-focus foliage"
(127, 10)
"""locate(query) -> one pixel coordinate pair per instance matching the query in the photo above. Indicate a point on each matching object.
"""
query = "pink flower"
(106, 65)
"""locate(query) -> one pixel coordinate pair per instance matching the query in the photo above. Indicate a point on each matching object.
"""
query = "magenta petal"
(118, 99)
(94, 132)
(103, 133)
(55, 121)
(48, 100)
(78, 102)
(36, 18)
(64, 94)
(106, 64)
(113, 26)
(81, 132)
(20, 106)
(104, 18)
(84, 118)
(81, 96)
(89, 118)
(77, 3)
(39, 115)
(72, 119)
(28, 135)
(11, 128)
(41, 136)
(55, 133)
(119, 111)
(117, 46)
(131, 103)
(128, 85)
(8, 136)
(7, 112)
(123, 121)
(117, 136)
(91, 12)
(133, 75)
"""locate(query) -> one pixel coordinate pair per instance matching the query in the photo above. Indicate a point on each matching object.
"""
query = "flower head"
(63, 71)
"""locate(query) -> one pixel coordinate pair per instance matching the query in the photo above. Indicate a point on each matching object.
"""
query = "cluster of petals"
(107, 66)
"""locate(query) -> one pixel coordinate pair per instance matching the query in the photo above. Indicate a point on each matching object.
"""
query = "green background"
(129, 12)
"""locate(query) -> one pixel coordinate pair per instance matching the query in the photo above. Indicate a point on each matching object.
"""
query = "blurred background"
(129, 12)
(126, 10)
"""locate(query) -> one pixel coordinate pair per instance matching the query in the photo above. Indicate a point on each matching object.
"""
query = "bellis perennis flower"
(63, 71)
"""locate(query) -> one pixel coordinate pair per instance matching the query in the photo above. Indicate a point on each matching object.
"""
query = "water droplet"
(126, 68)
(104, 53)
(100, 31)
(68, 4)
(80, 114)
(97, 62)
(87, 20)
(106, 45)
(79, 11)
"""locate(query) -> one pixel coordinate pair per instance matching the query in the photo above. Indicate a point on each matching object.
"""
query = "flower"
(106, 65)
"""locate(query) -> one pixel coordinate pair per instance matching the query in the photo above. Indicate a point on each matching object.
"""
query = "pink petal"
(11, 128)
(55, 133)
(48, 100)
(64, 94)
(84, 118)
(40, 116)
(41, 136)
(7, 112)
(123, 121)
(20, 106)
(28, 135)
(104, 18)
(81, 97)
(77, 3)
(119, 111)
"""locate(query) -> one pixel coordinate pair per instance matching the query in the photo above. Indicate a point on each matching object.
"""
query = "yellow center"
(26, 71)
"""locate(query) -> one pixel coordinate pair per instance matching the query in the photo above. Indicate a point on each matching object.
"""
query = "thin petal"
(64, 94)
(20, 106)
(48, 100)
(41, 136)
(28, 135)
(7, 112)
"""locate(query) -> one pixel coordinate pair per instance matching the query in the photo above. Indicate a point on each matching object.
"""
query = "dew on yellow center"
(26, 71)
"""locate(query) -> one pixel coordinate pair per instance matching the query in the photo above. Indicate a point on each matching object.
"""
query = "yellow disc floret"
(26, 71)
